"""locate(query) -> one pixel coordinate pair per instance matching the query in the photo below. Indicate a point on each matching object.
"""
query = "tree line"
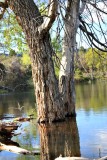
(90, 64)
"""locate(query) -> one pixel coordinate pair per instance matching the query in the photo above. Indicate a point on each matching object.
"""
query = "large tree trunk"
(49, 102)
(66, 77)
(48, 99)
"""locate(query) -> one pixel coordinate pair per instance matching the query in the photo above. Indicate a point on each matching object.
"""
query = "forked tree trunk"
(48, 98)
(66, 77)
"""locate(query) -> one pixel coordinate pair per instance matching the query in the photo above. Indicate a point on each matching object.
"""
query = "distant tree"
(96, 60)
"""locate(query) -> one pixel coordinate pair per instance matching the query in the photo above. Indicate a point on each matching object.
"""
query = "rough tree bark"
(66, 77)
(50, 100)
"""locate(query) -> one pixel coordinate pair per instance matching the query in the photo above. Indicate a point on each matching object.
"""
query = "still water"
(84, 136)
(92, 118)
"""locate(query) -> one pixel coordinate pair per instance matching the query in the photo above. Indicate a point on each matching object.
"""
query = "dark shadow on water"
(59, 139)
(6, 139)
(9, 142)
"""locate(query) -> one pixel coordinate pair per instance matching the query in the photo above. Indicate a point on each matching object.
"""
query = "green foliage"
(78, 74)
(25, 59)
(17, 75)
(93, 64)
(42, 7)
(56, 45)
(12, 36)
(82, 50)
(12, 52)
(57, 71)
(96, 58)
(57, 62)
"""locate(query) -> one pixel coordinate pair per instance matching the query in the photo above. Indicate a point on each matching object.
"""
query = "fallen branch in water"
(17, 150)
(71, 158)
(6, 128)
(79, 158)
(22, 119)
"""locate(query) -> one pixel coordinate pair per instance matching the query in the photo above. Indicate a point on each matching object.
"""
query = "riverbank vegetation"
(15, 73)
(90, 64)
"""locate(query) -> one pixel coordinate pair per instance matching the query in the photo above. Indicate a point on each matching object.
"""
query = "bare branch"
(91, 37)
(52, 13)
(81, 10)
(2, 12)
(3, 6)
(96, 7)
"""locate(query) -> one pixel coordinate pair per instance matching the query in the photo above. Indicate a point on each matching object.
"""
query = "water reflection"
(28, 138)
(59, 139)
(25, 137)
(9, 104)
(7, 140)
(92, 96)
(91, 103)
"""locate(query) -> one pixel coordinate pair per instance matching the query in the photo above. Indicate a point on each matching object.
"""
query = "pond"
(84, 136)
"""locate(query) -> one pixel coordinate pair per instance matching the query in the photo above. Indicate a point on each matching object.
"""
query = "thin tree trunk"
(66, 77)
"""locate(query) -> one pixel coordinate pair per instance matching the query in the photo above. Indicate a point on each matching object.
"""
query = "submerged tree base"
(70, 115)
(67, 116)
(47, 121)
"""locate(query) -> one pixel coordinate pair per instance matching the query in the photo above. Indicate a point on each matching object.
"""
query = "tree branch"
(52, 13)
(17, 150)
(2, 13)
(3, 5)
(81, 10)
(91, 36)
(95, 6)
(69, 3)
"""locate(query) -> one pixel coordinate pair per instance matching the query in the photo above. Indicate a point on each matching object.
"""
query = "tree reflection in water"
(59, 139)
